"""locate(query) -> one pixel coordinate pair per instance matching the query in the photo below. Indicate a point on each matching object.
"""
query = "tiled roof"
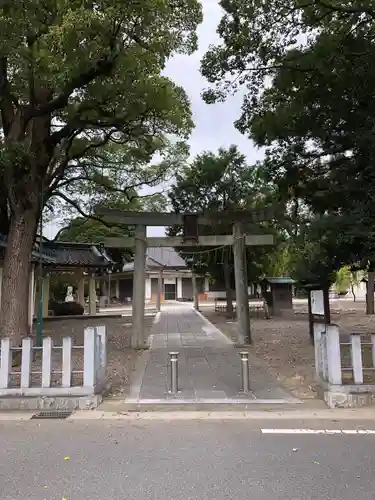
(76, 254)
(280, 281)
(165, 257)
(64, 254)
(156, 257)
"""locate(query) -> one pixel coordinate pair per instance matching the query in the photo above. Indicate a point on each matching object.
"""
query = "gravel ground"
(121, 357)
(283, 344)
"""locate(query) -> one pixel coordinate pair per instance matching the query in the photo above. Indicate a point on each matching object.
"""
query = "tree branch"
(79, 209)
(103, 67)
(354, 9)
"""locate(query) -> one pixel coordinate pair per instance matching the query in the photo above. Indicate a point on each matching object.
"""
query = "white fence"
(56, 363)
(335, 358)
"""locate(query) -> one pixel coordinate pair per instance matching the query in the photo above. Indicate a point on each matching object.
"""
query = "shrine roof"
(280, 281)
(66, 254)
(164, 257)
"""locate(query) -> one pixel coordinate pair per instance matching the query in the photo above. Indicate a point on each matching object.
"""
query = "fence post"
(102, 338)
(334, 355)
(89, 358)
(373, 350)
(356, 355)
(6, 362)
(47, 362)
(324, 356)
(67, 362)
(26, 360)
(319, 328)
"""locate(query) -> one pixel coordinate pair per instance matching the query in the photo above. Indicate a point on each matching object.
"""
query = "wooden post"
(45, 291)
(195, 291)
(81, 289)
(242, 298)
(138, 310)
(160, 291)
(370, 292)
(31, 298)
(92, 295)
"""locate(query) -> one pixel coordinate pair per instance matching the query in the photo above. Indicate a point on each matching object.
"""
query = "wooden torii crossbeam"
(190, 222)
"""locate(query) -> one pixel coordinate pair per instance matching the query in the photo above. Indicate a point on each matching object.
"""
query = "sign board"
(317, 302)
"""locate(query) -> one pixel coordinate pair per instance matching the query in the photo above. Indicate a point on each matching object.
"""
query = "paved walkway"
(209, 364)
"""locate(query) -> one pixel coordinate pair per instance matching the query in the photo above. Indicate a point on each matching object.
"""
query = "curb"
(84, 415)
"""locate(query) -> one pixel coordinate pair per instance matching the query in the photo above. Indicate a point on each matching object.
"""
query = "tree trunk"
(354, 297)
(16, 276)
(370, 293)
(227, 283)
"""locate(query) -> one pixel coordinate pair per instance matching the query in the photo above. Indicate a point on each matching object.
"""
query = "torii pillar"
(139, 288)
(190, 238)
(240, 274)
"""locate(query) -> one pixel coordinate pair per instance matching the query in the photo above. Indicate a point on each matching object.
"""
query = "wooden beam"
(172, 219)
(177, 241)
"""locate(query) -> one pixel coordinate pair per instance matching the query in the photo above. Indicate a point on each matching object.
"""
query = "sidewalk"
(209, 366)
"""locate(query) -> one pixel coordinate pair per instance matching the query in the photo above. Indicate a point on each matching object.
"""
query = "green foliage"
(76, 75)
(215, 183)
(308, 70)
(343, 280)
(94, 231)
(84, 77)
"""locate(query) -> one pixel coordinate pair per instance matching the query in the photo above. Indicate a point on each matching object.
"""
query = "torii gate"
(190, 222)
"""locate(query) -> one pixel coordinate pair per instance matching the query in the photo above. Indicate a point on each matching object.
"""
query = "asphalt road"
(185, 460)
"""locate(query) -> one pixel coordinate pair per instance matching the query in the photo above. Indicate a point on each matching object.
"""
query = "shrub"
(68, 309)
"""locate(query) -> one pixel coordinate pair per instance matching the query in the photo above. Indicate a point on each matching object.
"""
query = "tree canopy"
(218, 182)
(307, 71)
(74, 76)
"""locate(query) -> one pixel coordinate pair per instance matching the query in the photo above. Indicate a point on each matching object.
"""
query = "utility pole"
(242, 297)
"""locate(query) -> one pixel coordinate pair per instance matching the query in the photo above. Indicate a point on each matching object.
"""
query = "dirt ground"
(120, 356)
(283, 345)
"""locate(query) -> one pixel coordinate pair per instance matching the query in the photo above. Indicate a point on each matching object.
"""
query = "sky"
(214, 122)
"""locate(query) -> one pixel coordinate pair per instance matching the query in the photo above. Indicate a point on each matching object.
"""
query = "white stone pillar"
(117, 289)
(148, 288)
(333, 354)
(179, 289)
(31, 297)
(206, 285)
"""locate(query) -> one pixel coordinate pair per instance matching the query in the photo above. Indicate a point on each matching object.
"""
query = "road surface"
(186, 460)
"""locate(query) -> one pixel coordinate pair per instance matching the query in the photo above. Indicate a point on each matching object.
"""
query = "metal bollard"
(245, 372)
(173, 363)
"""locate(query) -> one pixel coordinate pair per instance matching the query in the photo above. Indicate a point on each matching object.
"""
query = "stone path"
(209, 364)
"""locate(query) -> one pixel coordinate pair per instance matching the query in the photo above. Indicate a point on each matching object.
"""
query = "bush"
(67, 309)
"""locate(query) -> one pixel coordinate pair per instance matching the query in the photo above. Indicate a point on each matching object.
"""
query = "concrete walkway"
(209, 365)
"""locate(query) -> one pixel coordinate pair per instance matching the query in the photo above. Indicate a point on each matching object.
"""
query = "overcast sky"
(213, 123)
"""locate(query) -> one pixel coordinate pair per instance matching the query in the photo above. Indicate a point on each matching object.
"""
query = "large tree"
(75, 75)
(307, 69)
